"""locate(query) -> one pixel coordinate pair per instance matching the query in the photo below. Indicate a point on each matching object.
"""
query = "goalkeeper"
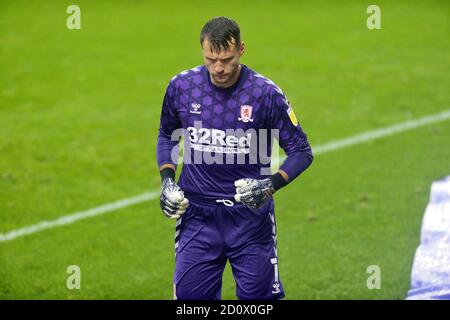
(227, 114)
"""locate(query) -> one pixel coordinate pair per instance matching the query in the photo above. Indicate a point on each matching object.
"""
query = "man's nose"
(218, 68)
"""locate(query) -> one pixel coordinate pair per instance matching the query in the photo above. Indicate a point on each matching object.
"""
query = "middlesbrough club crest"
(246, 114)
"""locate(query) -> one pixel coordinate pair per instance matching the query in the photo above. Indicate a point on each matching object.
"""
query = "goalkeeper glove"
(253, 193)
(172, 200)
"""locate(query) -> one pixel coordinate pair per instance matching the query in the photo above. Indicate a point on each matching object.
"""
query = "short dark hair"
(220, 31)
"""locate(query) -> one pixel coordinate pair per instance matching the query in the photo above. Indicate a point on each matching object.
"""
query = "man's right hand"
(173, 203)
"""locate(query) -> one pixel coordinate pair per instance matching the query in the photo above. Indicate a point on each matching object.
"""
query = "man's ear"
(242, 48)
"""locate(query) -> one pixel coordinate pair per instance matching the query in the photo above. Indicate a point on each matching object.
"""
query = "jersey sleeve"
(169, 122)
(291, 137)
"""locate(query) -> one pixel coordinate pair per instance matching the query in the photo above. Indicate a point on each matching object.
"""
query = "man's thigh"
(199, 261)
(255, 270)
(255, 262)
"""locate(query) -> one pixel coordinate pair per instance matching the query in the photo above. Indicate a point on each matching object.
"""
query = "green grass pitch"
(79, 113)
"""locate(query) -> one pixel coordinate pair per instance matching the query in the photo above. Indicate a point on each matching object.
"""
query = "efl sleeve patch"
(292, 116)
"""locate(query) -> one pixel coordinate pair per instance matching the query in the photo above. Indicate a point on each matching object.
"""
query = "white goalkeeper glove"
(253, 193)
(173, 203)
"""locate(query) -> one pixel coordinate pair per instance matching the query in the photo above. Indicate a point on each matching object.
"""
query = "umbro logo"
(195, 108)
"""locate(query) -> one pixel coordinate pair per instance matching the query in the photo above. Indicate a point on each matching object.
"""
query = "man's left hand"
(253, 193)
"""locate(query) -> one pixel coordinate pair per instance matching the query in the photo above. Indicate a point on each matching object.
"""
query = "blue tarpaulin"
(430, 276)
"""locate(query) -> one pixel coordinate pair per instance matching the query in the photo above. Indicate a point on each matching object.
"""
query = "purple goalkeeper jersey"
(227, 131)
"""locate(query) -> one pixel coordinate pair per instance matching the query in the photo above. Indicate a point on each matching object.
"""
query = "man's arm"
(166, 147)
(172, 200)
(255, 192)
(292, 139)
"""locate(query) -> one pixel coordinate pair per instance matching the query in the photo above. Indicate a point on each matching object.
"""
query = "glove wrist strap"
(278, 181)
(167, 173)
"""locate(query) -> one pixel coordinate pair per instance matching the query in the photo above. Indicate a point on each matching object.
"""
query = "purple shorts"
(208, 235)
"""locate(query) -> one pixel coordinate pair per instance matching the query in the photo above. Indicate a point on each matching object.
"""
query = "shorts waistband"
(211, 201)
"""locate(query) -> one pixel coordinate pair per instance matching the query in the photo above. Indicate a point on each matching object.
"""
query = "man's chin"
(221, 82)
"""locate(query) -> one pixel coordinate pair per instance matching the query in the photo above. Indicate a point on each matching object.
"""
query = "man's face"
(223, 66)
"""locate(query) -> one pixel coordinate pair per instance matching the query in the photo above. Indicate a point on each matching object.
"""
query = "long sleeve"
(292, 139)
(167, 145)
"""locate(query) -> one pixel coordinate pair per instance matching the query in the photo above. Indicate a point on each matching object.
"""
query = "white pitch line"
(374, 134)
(320, 149)
(71, 218)
(381, 133)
